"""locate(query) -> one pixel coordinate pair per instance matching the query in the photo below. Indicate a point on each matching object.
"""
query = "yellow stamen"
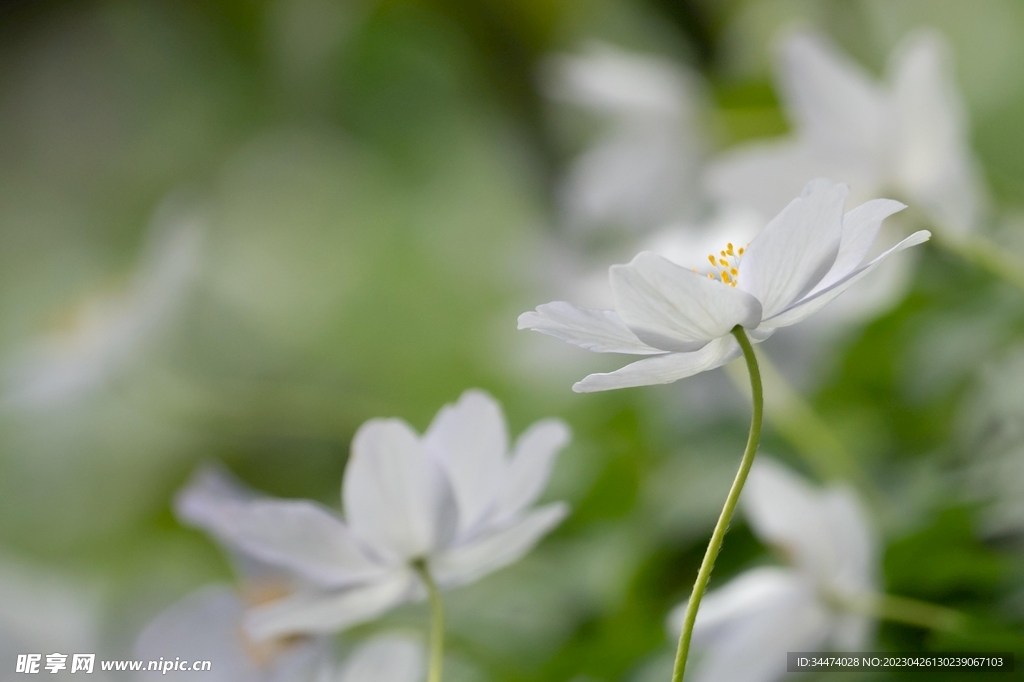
(734, 271)
(723, 262)
(741, 250)
(729, 249)
(712, 259)
(725, 276)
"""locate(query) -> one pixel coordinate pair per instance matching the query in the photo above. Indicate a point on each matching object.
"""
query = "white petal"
(387, 658)
(644, 174)
(796, 249)
(608, 79)
(852, 632)
(465, 564)
(765, 176)
(860, 229)
(934, 163)
(664, 369)
(298, 535)
(743, 597)
(202, 626)
(598, 330)
(470, 440)
(198, 502)
(324, 612)
(811, 304)
(783, 510)
(744, 629)
(835, 104)
(854, 545)
(528, 472)
(754, 650)
(677, 309)
(396, 496)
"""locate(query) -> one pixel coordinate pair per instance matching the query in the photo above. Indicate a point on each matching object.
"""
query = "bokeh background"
(233, 230)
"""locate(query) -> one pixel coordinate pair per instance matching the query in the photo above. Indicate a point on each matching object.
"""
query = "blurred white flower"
(454, 499)
(907, 135)
(803, 259)
(207, 626)
(745, 628)
(41, 609)
(645, 167)
(106, 332)
(992, 432)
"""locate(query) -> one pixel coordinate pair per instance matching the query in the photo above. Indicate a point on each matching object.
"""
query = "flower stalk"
(903, 610)
(717, 537)
(985, 254)
(436, 621)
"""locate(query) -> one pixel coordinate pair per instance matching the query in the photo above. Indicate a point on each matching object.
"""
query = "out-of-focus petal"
(854, 546)
(204, 626)
(663, 369)
(298, 535)
(754, 649)
(396, 496)
(811, 304)
(796, 249)
(387, 658)
(934, 162)
(321, 612)
(765, 176)
(783, 510)
(677, 309)
(741, 598)
(470, 440)
(528, 472)
(464, 564)
(601, 331)
(835, 104)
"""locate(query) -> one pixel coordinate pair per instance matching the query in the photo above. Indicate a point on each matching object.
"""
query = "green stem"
(982, 252)
(905, 610)
(436, 621)
(704, 574)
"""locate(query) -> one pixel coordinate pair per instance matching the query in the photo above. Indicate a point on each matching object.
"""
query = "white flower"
(645, 167)
(43, 609)
(206, 626)
(906, 135)
(107, 331)
(455, 499)
(805, 257)
(992, 432)
(745, 628)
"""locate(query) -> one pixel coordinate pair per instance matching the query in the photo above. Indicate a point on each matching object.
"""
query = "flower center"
(726, 264)
(263, 653)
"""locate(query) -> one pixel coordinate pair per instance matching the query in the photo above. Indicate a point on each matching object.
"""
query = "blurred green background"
(373, 190)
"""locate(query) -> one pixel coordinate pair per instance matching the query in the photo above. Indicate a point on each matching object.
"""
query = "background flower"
(829, 542)
(456, 499)
(908, 135)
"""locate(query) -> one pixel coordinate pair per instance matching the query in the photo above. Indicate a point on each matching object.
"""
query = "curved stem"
(436, 621)
(704, 574)
(793, 418)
